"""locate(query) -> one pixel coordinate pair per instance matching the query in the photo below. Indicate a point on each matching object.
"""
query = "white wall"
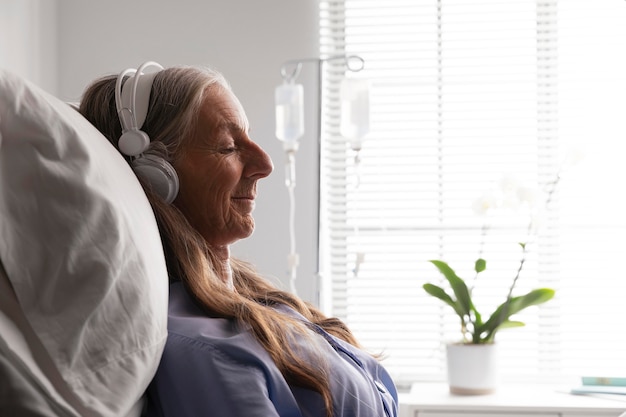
(247, 41)
(28, 40)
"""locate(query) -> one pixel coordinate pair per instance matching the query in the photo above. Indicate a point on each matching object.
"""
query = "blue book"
(604, 381)
(598, 389)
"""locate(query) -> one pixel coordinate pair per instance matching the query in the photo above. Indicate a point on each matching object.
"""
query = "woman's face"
(218, 170)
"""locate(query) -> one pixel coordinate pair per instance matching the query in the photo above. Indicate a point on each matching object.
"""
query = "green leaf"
(440, 293)
(458, 286)
(478, 319)
(488, 338)
(480, 265)
(510, 324)
(514, 306)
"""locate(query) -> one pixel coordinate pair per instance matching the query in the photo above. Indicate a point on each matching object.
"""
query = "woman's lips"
(245, 202)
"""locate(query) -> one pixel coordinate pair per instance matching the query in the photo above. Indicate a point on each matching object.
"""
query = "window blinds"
(468, 98)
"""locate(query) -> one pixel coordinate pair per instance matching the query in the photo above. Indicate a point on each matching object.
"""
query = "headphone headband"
(132, 103)
(131, 100)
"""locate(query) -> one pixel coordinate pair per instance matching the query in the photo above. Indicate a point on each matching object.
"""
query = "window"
(465, 94)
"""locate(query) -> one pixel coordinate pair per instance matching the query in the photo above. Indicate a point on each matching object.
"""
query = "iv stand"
(289, 71)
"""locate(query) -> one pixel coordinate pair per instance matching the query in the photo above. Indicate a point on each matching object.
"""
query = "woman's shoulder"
(186, 318)
(200, 347)
(213, 364)
(190, 327)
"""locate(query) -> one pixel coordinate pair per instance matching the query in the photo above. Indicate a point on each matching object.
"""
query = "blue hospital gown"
(212, 367)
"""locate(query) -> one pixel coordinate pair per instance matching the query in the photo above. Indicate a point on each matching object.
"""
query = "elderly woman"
(237, 345)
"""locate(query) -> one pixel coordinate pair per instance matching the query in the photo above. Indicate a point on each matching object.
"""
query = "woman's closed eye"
(228, 150)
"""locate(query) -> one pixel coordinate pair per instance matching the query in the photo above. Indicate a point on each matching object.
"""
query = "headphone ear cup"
(159, 174)
(133, 142)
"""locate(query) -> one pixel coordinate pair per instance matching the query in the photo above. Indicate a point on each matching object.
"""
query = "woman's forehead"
(222, 109)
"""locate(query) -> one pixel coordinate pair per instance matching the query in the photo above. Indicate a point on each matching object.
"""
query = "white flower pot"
(472, 369)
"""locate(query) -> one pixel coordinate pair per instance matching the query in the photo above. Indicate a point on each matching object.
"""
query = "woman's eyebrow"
(234, 127)
(228, 125)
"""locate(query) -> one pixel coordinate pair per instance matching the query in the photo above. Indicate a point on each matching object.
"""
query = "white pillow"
(81, 249)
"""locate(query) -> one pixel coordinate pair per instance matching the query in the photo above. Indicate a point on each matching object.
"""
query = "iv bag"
(289, 113)
(355, 109)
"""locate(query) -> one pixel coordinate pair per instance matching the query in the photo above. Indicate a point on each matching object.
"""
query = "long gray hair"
(176, 98)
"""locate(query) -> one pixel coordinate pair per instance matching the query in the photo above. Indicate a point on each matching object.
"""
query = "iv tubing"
(290, 182)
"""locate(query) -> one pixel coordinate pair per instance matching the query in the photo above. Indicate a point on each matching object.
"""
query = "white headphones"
(132, 109)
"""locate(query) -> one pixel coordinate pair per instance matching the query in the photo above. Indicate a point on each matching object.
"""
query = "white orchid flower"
(485, 203)
(528, 196)
(509, 187)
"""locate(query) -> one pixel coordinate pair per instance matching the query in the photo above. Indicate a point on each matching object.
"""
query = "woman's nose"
(259, 163)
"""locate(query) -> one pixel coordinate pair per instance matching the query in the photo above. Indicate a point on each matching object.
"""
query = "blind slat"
(463, 94)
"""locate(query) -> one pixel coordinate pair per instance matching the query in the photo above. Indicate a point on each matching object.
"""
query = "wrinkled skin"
(218, 172)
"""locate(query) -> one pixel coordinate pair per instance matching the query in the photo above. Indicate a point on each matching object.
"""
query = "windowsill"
(436, 398)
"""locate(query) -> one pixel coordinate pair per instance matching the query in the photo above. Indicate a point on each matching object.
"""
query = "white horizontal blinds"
(455, 107)
(464, 93)
(592, 95)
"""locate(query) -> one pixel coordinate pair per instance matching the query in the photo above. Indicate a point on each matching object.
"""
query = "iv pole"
(290, 127)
